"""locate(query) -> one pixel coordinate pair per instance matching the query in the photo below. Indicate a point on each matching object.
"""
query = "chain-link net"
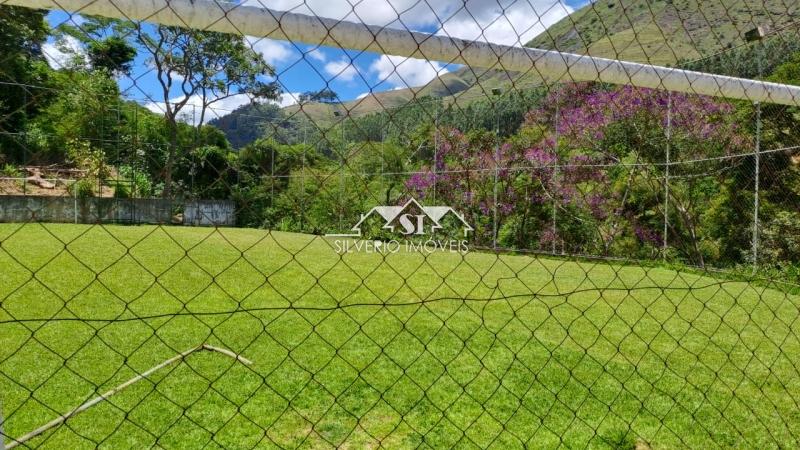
(399, 224)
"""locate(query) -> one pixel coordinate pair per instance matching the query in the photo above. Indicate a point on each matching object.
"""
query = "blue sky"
(351, 74)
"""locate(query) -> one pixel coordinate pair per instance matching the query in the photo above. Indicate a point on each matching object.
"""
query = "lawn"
(365, 350)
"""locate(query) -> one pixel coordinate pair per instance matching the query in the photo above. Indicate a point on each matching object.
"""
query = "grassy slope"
(655, 31)
(460, 86)
(661, 31)
(599, 349)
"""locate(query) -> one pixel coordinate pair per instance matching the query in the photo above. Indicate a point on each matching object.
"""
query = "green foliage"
(106, 46)
(623, 30)
(82, 188)
(780, 239)
(84, 157)
(210, 173)
(267, 157)
(121, 190)
(213, 66)
(322, 200)
(141, 184)
(418, 118)
(324, 96)
(113, 54)
(248, 123)
(10, 171)
(749, 61)
(266, 171)
(22, 33)
(88, 107)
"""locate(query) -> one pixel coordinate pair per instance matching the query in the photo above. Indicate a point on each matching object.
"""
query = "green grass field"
(363, 351)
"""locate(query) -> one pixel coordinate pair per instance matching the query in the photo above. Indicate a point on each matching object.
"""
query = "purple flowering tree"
(585, 173)
(615, 143)
(463, 176)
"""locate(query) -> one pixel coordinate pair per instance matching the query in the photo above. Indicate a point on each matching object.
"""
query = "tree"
(22, 33)
(112, 54)
(266, 169)
(193, 68)
(324, 95)
(106, 48)
(87, 107)
(204, 67)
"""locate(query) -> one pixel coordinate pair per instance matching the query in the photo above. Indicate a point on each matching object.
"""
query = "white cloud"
(317, 54)
(64, 53)
(364, 95)
(288, 99)
(510, 22)
(406, 72)
(374, 12)
(516, 25)
(191, 112)
(341, 70)
(273, 52)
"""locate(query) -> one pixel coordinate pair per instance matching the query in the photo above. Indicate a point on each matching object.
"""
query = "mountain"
(249, 122)
(664, 31)
(659, 32)
(462, 85)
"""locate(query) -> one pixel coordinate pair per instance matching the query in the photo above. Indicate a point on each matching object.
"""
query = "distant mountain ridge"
(663, 31)
(659, 32)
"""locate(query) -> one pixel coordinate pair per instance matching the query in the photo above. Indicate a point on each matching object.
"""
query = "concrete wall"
(218, 213)
(18, 208)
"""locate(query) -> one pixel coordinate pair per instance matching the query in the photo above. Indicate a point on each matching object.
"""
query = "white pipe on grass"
(63, 418)
(226, 17)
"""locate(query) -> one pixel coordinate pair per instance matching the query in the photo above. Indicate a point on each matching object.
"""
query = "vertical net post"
(497, 93)
(554, 219)
(25, 152)
(338, 115)
(342, 181)
(665, 238)
(757, 157)
(134, 154)
(435, 151)
(194, 154)
(303, 177)
(384, 175)
(75, 201)
(272, 176)
(756, 189)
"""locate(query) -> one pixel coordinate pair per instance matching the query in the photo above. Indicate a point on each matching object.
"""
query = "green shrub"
(780, 239)
(11, 171)
(121, 190)
(87, 158)
(82, 188)
(141, 186)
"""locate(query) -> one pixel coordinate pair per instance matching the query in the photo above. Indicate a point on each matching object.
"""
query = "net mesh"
(228, 240)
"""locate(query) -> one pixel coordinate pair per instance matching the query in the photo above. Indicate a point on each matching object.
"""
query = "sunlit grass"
(362, 351)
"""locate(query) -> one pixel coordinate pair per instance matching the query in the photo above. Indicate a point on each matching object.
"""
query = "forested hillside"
(663, 31)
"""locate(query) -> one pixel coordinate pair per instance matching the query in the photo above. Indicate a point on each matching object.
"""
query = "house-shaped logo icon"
(411, 219)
